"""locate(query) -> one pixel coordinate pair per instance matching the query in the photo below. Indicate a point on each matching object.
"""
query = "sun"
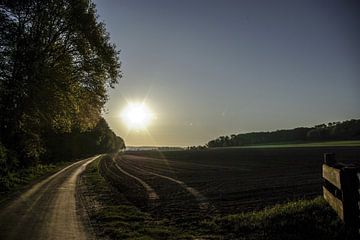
(137, 116)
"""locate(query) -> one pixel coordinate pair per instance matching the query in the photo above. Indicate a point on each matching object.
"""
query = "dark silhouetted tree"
(347, 130)
(56, 62)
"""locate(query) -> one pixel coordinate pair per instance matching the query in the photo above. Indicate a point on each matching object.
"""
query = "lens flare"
(137, 116)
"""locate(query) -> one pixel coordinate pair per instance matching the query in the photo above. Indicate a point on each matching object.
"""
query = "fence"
(341, 190)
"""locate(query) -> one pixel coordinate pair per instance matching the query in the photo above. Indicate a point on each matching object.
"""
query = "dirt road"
(48, 210)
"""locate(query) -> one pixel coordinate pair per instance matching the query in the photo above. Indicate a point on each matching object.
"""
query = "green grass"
(354, 143)
(304, 219)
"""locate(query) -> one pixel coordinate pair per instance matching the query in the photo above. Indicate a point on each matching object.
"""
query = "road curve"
(48, 210)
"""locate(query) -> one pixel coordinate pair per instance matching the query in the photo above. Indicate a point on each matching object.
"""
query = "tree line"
(347, 130)
(56, 62)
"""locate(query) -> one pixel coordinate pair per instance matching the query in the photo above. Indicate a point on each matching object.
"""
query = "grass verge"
(304, 219)
(350, 143)
(13, 182)
(115, 218)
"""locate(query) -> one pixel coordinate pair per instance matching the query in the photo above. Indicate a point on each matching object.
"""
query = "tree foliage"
(78, 144)
(56, 61)
(347, 130)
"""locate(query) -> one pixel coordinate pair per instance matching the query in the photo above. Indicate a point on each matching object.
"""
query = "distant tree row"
(199, 147)
(347, 130)
(56, 62)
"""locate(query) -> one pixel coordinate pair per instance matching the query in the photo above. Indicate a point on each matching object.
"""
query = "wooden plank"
(332, 175)
(335, 203)
(332, 189)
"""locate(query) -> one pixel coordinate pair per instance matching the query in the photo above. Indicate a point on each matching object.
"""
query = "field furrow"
(192, 185)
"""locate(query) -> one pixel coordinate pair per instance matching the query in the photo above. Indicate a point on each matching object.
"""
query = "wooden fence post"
(332, 187)
(341, 191)
(329, 159)
(350, 195)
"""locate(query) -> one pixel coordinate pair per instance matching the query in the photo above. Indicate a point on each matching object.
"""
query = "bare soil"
(194, 185)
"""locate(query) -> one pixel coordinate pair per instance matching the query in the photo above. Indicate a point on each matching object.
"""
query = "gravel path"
(48, 210)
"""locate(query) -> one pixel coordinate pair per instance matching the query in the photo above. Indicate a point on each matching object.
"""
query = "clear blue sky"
(211, 68)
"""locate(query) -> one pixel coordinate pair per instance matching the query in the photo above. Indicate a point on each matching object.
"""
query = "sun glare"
(137, 116)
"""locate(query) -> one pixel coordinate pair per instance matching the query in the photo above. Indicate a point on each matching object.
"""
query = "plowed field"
(184, 186)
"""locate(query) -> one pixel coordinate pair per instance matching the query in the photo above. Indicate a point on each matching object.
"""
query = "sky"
(210, 68)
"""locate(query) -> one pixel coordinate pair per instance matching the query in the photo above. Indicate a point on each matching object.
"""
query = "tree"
(56, 62)
(347, 130)
(78, 144)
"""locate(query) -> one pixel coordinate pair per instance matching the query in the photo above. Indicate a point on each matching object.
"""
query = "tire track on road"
(204, 204)
(152, 195)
